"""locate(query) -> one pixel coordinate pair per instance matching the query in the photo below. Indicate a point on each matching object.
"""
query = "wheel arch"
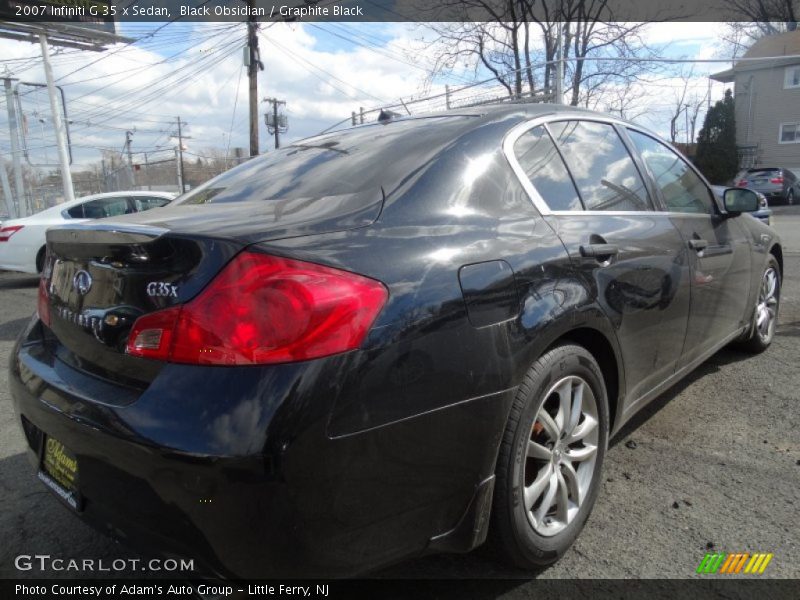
(777, 252)
(605, 353)
(39, 262)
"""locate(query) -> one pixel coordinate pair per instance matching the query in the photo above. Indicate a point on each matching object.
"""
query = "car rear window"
(539, 159)
(332, 165)
(764, 171)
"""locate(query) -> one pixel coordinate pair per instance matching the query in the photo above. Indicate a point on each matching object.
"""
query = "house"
(767, 97)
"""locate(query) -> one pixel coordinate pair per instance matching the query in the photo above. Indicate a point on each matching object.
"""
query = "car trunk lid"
(101, 276)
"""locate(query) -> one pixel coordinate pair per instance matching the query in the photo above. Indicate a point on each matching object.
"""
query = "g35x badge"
(159, 289)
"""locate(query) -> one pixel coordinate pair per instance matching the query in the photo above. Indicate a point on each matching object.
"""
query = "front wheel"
(550, 459)
(765, 314)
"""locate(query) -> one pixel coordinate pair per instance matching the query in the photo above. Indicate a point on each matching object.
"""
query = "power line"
(299, 60)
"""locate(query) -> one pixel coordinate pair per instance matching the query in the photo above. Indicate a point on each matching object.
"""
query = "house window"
(791, 78)
(789, 133)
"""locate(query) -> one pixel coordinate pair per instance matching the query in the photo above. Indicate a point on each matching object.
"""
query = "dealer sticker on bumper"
(60, 471)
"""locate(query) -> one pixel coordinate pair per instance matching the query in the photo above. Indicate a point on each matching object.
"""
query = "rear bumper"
(232, 467)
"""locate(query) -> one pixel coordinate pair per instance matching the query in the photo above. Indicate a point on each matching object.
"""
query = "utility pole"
(58, 124)
(686, 119)
(128, 136)
(6, 188)
(179, 157)
(253, 67)
(277, 125)
(13, 126)
(147, 172)
(179, 165)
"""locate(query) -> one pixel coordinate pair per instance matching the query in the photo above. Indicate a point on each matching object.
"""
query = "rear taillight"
(263, 309)
(778, 180)
(43, 302)
(7, 232)
(742, 183)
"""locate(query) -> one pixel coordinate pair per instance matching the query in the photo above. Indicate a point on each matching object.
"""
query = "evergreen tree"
(716, 144)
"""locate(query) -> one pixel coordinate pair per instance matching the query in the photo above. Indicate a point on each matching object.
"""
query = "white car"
(22, 241)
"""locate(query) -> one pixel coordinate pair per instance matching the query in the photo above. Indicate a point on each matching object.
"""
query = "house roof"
(783, 44)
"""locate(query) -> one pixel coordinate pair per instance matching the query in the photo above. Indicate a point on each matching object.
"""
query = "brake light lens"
(742, 183)
(7, 232)
(43, 302)
(263, 309)
(776, 180)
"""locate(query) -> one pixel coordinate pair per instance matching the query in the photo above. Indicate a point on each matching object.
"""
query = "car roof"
(67, 205)
(449, 125)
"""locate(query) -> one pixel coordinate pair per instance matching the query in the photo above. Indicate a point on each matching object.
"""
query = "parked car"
(391, 340)
(22, 241)
(775, 183)
(763, 213)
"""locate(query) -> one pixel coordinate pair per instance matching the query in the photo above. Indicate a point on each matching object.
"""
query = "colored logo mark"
(735, 563)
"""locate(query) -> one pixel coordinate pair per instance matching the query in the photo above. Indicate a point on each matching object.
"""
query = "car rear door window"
(539, 159)
(606, 176)
(143, 203)
(106, 207)
(682, 188)
(76, 212)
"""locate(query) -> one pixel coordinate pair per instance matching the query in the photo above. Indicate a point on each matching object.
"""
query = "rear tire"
(765, 312)
(40, 259)
(550, 459)
(790, 197)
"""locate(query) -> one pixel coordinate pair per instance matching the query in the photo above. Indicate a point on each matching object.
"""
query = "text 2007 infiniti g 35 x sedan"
(396, 339)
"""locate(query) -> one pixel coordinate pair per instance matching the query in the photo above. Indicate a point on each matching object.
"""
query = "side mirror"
(739, 200)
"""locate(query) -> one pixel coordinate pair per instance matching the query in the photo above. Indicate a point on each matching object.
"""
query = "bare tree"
(522, 33)
(625, 100)
(687, 105)
(753, 19)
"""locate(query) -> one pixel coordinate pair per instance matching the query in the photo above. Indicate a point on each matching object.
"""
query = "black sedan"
(398, 339)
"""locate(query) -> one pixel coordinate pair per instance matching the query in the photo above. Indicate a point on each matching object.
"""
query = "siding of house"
(762, 104)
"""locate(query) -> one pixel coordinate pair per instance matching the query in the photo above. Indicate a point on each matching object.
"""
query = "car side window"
(681, 187)
(143, 203)
(105, 207)
(539, 159)
(603, 169)
(76, 212)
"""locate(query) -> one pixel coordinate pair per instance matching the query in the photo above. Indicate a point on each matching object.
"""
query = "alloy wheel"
(767, 307)
(561, 455)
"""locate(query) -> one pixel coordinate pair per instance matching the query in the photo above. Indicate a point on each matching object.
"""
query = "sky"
(322, 70)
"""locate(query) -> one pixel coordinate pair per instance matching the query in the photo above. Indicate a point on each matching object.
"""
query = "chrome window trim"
(520, 129)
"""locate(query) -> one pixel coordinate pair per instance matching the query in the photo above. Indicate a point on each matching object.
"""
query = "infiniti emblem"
(82, 282)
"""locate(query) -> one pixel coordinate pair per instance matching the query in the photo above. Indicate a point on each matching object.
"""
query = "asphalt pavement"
(712, 465)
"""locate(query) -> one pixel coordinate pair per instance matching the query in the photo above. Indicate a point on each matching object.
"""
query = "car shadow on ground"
(726, 356)
(46, 526)
(11, 329)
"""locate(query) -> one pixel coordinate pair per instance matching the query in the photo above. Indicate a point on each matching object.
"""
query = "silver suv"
(774, 182)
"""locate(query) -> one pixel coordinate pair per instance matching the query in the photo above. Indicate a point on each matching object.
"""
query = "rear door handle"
(698, 245)
(599, 250)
